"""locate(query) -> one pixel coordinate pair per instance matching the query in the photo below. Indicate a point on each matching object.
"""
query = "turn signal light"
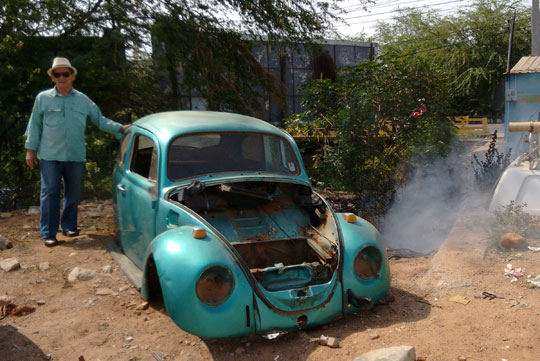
(199, 232)
(349, 218)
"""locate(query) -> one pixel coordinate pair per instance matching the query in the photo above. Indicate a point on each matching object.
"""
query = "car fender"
(357, 236)
(180, 259)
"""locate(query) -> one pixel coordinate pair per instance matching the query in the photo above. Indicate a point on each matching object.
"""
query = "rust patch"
(301, 321)
(260, 237)
(213, 290)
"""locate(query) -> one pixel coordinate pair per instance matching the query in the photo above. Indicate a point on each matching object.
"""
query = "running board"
(132, 272)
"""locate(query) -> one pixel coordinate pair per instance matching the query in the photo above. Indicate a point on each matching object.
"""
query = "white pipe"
(533, 127)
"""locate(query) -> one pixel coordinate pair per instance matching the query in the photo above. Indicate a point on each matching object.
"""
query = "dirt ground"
(436, 307)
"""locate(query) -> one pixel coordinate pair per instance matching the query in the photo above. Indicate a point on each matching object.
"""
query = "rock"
(513, 241)
(396, 353)
(10, 264)
(374, 336)
(107, 269)
(239, 350)
(535, 282)
(5, 298)
(74, 274)
(86, 274)
(81, 274)
(104, 292)
(143, 306)
(462, 358)
(90, 302)
(5, 215)
(327, 341)
(33, 210)
(92, 214)
(40, 302)
(5, 243)
(44, 266)
(332, 342)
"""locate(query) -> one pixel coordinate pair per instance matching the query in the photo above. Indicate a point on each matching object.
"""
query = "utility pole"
(511, 38)
(535, 38)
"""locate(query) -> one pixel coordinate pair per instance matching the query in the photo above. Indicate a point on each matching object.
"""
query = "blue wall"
(522, 104)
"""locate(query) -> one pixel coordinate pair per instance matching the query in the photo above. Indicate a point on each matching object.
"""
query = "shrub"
(487, 171)
(370, 106)
(513, 219)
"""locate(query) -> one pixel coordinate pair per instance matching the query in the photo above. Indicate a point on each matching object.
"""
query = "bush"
(370, 106)
(513, 219)
(488, 171)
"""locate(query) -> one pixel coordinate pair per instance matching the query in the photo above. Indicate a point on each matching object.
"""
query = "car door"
(118, 176)
(136, 195)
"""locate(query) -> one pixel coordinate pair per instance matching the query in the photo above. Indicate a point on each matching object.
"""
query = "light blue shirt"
(57, 125)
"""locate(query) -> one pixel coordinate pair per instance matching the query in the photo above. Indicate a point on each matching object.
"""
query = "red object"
(418, 112)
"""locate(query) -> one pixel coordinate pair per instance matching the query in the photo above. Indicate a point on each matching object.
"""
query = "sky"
(357, 19)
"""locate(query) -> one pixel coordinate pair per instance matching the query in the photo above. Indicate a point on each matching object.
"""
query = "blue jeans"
(52, 172)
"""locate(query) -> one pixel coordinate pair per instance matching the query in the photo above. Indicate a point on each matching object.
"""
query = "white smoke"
(425, 209)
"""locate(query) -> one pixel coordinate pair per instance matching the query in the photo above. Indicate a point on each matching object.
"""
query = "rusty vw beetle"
(215, 212)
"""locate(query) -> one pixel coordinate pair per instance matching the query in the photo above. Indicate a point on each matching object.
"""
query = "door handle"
(120, 187)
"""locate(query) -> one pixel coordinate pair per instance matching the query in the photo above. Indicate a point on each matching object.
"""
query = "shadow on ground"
(84, 242)
(14, 346)
(298, 345)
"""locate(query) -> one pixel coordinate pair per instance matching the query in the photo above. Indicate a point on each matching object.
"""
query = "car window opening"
(144, 158)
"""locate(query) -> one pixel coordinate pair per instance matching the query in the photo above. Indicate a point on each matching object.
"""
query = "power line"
(434, 37)
(410, 8)
(370, 6)
(383, 4)
(447, 45)
(393, 4)
(396, 17)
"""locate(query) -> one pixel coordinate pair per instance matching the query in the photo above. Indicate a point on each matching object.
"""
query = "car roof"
(168, 125)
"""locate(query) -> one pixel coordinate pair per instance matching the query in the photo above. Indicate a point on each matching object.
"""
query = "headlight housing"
(215, 285)
(367, 263)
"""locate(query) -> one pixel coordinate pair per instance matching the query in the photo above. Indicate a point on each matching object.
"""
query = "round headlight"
(367, 263)
(215, 285)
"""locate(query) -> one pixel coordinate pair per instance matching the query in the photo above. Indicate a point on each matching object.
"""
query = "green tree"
(110, 42)
(371, 108)
(470, 47)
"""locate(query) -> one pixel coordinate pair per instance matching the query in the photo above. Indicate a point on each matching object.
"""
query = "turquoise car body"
(237, 248)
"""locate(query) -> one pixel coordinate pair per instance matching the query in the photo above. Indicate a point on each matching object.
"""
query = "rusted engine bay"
(285, 234)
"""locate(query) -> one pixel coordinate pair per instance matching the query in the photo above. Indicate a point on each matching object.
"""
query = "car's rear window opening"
(207, 153)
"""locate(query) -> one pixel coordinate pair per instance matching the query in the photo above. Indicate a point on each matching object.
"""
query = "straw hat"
(59, 62)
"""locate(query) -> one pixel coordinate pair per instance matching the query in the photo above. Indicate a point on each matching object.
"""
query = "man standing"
(55, 135)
